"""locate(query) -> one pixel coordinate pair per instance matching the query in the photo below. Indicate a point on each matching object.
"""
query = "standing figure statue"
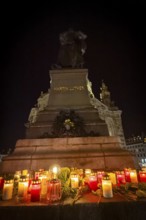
(72, 49)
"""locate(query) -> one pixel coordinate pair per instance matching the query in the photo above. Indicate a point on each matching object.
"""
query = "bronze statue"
(72, 49)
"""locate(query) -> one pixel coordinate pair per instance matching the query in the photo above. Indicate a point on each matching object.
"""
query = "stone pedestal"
(68, 91)
(101, 153)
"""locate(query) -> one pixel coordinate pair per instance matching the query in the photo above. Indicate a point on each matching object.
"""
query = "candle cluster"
(48, 186)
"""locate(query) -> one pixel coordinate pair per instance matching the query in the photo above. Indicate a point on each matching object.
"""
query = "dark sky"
(116, 52)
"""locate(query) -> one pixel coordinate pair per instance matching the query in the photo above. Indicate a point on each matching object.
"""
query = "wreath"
(68, 123)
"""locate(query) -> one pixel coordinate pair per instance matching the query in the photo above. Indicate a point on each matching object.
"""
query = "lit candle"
(36, 175)
(93, 184)
(17, 175)
(35, 190)
(44, 188)
(7, 190)
(133, 176)
(142, 176)
(55, 169)
(74, 181)
(24, 172)
(112, 177)
(127, 175)
(107, 187)
(87, 172)
(22, 187)
(1, 182)
(120, 178)
(54, 190)
(100, 175)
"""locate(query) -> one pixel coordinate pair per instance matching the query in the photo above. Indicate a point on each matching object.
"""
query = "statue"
(42, 101)
(33, 114)
(72, 49)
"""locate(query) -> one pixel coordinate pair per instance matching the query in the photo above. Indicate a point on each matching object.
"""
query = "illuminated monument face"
(68, 125)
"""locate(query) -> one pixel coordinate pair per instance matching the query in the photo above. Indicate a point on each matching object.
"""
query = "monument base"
(100, 153)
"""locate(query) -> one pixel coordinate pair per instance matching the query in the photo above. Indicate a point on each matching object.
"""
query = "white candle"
(107, 188)
(44, 188)
(7, 190)
(74, 181)
(87, 172)
(22, 187)
(112, 177)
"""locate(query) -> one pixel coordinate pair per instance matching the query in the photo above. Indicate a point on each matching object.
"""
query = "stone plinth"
(68, 91)
(102, 153)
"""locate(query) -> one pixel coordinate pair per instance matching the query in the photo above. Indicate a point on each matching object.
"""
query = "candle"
(22, 188)
(120, 178)
(127, 175)
(17, 175)
(93, 184)
(87, 172)
(55, 169)
(54, 190)
(36, 175)
(100, 175)
(133, 176)
(142, 176)
(107, 187)
(7, 190)
(112, 177)
(74, 181)
(35, 190)
(24, 172)
(44, 188)
(1, 182)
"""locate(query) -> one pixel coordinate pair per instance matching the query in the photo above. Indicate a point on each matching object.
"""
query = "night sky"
(116, 53)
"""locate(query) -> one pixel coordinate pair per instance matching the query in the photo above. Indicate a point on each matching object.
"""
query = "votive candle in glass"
(24, 172)
(133, 176)
(112, 177)
(107, 187)
(54, 190)
(142, 176)
(120, 176)
(35, 190)
(74, 178)
(23, 187)
(44, 188)
(93, 184)
(100, 175)
(7, 189)
(127, 175)
(87, 172)
(1, 182)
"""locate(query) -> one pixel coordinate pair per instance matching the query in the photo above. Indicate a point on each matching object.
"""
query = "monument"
(68, 125)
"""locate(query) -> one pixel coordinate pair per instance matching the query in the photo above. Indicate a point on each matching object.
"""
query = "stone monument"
(68, 125)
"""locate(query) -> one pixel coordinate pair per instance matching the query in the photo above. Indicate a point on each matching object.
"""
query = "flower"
(68, 124)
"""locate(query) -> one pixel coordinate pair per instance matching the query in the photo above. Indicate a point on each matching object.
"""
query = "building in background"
(137, 145)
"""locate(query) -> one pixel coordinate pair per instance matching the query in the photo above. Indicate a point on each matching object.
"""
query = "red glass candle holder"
(142, 176)
(93, 184)
(100, 175)
(1, 182)
(120, 178)
(35, 190)
(127, 175)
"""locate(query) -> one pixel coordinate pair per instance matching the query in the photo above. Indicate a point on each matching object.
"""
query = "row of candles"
(46, 186)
